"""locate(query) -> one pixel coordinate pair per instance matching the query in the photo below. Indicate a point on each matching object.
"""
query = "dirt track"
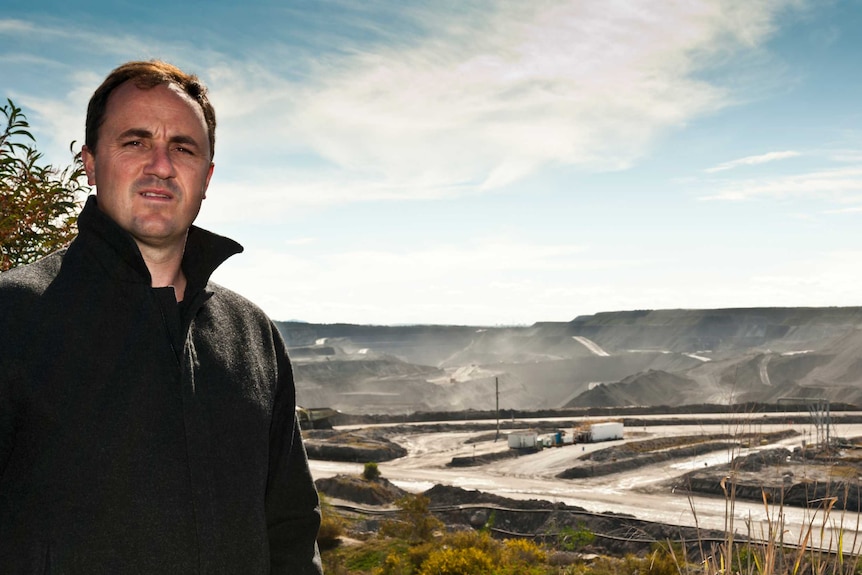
(646, 492)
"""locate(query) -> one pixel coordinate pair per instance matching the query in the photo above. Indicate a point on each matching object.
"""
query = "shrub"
(415, 523)
(572, 539)
(522, 552)
(481, 540)
(371, 472)
(418, 554)
(395, 564)
(38, 203)
(468, 561)
(331, 525)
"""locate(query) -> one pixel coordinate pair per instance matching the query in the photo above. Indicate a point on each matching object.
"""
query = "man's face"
(151, 166)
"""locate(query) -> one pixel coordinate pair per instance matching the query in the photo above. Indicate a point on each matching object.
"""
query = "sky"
(495, 162)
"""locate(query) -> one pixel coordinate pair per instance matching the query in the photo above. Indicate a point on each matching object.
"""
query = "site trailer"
(523, 440)
(605, 431)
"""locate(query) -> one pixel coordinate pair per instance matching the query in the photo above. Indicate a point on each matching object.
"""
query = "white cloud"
(483, 279)
(850, 210)
(62, 120)
(13, 26)
(837, 186)
(564, 84)
(481, 101)
(847, 156)
(79, 39)
(754, 160)
(509, 282)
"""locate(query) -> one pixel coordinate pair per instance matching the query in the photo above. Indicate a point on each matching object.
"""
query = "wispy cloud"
(480, 100)
(13, 26)
(78, 39)
(753, 161)
(837, 186)
(491, 100)
(850, 210)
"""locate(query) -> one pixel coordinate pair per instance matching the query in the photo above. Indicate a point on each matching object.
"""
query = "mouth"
(157, 195)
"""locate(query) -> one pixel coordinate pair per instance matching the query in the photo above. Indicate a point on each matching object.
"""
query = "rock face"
(647, 357)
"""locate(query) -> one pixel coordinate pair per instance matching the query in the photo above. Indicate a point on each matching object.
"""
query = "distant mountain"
(647, 357)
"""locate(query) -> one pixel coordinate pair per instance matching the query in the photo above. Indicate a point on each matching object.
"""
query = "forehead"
(163, 104)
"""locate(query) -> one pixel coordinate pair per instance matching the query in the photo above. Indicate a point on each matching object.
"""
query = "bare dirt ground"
(665, 475)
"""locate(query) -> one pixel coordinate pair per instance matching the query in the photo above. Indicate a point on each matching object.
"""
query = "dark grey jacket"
(142, 436)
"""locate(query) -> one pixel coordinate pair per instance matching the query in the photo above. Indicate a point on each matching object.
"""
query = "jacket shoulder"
(21, 291)
(29, 281)
(230, 308)
(237, 317)
(231, 302)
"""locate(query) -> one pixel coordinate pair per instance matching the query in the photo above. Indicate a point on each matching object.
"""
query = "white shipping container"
(606, 431)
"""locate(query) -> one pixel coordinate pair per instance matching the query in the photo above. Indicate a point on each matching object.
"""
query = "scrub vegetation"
(414, 540)
(418, 544)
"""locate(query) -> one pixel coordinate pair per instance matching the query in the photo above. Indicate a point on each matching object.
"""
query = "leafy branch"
(38, 203)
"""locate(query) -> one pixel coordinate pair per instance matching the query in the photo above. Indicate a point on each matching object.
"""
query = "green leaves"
(38, 203)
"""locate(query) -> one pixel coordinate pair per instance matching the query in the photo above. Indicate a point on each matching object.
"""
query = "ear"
(207, 182)
(89, 165)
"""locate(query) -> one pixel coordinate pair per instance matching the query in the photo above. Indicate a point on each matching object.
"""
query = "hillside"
(646, 357)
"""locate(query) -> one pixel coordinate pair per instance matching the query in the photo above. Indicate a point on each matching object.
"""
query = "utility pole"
(497, 393)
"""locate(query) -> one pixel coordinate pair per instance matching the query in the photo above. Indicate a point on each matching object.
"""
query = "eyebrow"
(143, 133)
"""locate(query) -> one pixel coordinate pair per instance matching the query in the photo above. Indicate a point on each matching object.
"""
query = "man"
(147, 417)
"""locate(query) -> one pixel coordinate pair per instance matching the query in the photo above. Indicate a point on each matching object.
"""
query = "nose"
(160, 163)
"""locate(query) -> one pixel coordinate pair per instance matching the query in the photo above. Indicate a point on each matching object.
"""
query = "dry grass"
(827, 543)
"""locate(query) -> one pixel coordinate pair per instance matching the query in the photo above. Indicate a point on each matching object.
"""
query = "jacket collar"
(205, 251)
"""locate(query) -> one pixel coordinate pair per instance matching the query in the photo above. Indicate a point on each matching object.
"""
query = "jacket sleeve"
(292, 506)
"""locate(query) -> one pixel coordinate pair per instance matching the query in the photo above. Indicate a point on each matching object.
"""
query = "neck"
(165, 268)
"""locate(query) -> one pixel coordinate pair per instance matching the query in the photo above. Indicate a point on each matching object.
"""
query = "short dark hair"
(147, 75)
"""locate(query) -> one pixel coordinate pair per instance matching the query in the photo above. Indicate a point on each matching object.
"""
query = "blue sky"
(497, 162)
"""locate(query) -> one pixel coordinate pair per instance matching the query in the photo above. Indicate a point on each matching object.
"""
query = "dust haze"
(613, 359)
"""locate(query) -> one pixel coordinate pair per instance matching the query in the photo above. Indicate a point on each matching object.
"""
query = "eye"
(184, 149)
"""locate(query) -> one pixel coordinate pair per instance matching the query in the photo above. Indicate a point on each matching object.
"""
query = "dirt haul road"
(639, 493)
